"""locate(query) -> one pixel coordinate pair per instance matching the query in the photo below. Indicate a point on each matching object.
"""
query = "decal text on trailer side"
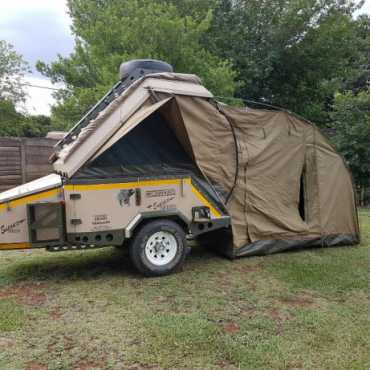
(160, 193)
(100, 220)
(162, 204)
(12, 228)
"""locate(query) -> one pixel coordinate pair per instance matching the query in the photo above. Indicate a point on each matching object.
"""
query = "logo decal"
(124, 197)
(12, 228)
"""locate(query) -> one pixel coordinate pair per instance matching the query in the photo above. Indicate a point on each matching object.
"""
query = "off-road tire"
(139, 243)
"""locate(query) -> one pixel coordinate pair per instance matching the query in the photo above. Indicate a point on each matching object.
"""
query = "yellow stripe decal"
(124, 185)
(15, 246)
(29, 198)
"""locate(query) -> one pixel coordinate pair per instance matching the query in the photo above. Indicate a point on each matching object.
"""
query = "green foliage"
(110, 32)
(360, 79)
(13, 123)
(351, 122)
(12, 69)
(292, 53)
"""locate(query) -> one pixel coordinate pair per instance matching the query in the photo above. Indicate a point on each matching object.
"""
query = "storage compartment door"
(46, 223)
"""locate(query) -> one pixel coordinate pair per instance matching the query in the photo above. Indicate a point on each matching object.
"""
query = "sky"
(40, 30)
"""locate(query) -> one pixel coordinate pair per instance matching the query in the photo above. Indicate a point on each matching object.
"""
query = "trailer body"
(88, 215)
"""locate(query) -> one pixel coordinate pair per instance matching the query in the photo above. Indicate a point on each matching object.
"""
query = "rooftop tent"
(281, 182)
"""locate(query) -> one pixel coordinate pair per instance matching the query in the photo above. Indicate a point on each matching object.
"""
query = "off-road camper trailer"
(159, 158)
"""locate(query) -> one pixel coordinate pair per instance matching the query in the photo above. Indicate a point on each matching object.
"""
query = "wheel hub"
(161, 248)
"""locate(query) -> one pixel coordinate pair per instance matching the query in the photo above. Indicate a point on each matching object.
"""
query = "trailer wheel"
(158, 248)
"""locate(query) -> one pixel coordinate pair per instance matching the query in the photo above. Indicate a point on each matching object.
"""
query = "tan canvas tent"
(282, 183)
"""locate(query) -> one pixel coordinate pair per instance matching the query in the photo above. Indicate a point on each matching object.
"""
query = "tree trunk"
(362, 196)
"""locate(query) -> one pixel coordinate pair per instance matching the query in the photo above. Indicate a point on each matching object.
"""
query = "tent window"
(302, 198)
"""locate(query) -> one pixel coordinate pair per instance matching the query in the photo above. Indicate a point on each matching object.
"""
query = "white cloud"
(38, 29)
(39, 98)
(13, 8)
(365, 8)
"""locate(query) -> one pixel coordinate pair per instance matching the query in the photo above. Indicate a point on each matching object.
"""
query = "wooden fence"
(23, 160)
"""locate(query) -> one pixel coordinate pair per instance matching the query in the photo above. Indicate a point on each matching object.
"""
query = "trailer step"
(66, 248)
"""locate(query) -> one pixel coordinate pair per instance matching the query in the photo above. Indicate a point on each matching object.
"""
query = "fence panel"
(23, 160)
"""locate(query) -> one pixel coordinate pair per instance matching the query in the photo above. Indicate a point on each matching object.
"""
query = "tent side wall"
(292, 166)
(337, 196)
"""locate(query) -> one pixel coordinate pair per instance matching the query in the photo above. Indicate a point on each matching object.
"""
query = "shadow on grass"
(90, 265)
(109, 262)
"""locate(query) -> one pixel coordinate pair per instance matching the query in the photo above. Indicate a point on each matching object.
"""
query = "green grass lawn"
(91, 310)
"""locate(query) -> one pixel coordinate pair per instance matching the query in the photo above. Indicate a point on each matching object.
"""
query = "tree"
(9, 119)
(13, 123)
(137, 29)
(351, 124)
(291, 53)
(360, 79)
(12, 69)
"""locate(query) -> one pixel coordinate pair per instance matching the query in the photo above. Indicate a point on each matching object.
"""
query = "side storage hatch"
(46, 222)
